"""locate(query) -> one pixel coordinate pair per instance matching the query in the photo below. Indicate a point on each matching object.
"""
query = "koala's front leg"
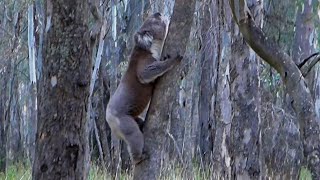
(157, 69)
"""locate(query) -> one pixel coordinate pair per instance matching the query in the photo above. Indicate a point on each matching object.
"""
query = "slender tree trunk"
(304, 46)
(32, 121)
(32, 40)
(3, 100)
(246, 122)
(304, 31)
(206, 85)
(103, 128)
(3, 132)
(62, 132)
(220, 101)
(245, 127)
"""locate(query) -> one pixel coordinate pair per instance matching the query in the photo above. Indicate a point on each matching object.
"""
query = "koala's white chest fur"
(157, 45)
(156, 49)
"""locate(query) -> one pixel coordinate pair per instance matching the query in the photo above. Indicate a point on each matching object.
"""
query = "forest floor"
(23, 172)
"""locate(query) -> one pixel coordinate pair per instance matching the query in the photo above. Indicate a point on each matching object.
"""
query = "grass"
(21, 172)
(16, 172)
(305, 174)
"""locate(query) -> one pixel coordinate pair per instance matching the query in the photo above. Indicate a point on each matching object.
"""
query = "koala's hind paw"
(143, 157)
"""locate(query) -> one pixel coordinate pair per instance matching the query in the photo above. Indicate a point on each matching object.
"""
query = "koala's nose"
(157, 14)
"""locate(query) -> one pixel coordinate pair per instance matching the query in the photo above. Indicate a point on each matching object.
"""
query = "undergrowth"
(23, 172)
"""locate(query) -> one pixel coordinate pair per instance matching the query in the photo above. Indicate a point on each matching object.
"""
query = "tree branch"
(308, 63)
(292, 77)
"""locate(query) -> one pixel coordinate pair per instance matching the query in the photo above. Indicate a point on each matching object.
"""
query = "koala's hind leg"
(133, 136)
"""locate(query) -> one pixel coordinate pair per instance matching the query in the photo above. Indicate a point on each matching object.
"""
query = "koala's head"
(152, 34)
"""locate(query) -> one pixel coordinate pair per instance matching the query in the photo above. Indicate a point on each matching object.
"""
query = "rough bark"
(13, 136)
(304, 30)
(3, 129)
(303, 50)
(103, 128)
(32, 123)
(220, 101)
(281, 151)
(4, 99)
(62, 133)
(208, 77)
(161, 105)
(246, 106)
(245, 126)
(295, 83)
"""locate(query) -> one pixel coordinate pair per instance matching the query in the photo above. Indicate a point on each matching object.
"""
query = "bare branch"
(308, 63)
(176, 146)
(292, 77)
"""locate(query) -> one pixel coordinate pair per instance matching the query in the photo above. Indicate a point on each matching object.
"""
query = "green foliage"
(305, 174)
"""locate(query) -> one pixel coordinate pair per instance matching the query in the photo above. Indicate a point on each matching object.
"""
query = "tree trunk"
(32, 121)
(103, 128)
(304, 46)
(3, 131)
(292, 77)
(245, 127)
(62, 132)
(304, 31)
(220, 100)
(206, 85)
(162, 102)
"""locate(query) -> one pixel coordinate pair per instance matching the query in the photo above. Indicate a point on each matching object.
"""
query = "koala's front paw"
(166, 57)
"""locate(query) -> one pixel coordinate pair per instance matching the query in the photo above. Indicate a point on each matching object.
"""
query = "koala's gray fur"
(135, 89)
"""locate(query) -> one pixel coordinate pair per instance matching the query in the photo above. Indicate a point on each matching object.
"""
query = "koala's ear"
(143, 39)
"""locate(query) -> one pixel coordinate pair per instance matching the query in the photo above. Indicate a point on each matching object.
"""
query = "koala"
(136, 86)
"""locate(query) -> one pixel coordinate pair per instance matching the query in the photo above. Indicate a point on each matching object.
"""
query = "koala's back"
(131, 97)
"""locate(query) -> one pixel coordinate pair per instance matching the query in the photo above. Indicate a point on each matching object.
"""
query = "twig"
(99, 145)
(176, 146)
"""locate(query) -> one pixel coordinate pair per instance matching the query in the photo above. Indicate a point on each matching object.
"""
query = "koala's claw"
(166, 57)
(177, 57)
